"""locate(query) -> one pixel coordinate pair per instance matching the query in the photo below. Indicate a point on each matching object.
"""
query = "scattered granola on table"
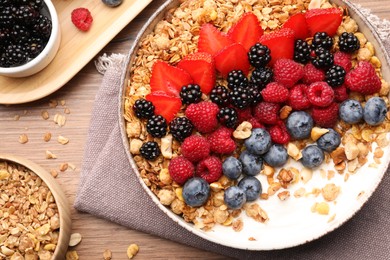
(232, 102)
(29, 215)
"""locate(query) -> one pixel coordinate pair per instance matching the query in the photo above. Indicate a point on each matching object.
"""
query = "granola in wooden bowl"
(258, 119)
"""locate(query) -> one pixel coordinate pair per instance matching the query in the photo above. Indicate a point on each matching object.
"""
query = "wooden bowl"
(59, 197)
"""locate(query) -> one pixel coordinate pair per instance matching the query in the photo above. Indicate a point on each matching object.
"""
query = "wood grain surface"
(78, 96)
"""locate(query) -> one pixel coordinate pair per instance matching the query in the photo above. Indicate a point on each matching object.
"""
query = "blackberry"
(6, 16)
(143, 108)
(34, 46)
(262, 76)
(36, 4)
(220, 95)
(323, 59)
(190, 94)
(4, 61)
(322, 40)
(259, 55)
(348, 42)
(240, 97)
(16, 55)
(236, 78)
(19, 33)
(26, 14)
(157, 126)
(255, 93)
(42, 26)
(228, 117)
(150, 150)
(335, 76)
(4, 36)
(302, 51)
(180, 128)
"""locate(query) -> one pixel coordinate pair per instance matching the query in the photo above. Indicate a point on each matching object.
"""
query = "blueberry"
(112, 3)
(312, 156)
(299, 125)
(251, 163)
(196, 191)
(374, 111)
(251, 186)
(329, 141)
(234, 197)
(351, 111)
(276, 155)
(232, 168)
(259, 142)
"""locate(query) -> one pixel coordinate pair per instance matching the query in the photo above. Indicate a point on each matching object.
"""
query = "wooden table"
(78, 96)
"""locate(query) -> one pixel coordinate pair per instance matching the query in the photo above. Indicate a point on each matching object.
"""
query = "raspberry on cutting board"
(81, 17)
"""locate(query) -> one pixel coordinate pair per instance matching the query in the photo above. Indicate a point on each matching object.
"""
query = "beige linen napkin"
(108, 189)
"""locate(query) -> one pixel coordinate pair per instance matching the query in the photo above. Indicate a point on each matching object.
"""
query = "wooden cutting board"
(77, 48)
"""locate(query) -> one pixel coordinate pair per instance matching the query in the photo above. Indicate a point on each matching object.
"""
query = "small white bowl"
(48, 53)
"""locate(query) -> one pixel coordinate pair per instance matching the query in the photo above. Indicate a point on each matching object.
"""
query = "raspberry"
(340, 93)
(244, 114)
(320, 94)
(312, 74)
(275, 92)
(255, 123)
(287, 72)
(297, 99)
(279, 133)
(181, 169)
(267, 113)
(195, 148)
(82, 18)
(326, 116)
(343, 59)
(203, 116)
(363, 79)
(221, 142)
(209, 169)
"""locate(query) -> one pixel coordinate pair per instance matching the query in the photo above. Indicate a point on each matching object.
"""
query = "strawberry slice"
(166, 106)
(324, 20)
(298, 24)
(201, 67)
(211, 40)
(247, 31)
(168, 79)
(232, 57)
(280, 43)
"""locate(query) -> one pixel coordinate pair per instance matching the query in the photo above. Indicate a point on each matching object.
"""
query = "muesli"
(223, 94)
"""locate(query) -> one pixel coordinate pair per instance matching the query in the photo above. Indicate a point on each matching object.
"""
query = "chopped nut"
(268, 170)
(243, 131)
(72, 255)
(166, 146)
(67, 110)
(284, 195)
(54, 173)
(50, 155)
(62, 140)
(75, 239)
(322, 208)
(338, 155)
(45, 115)
(293, 151)
(107, 255)
(47, 137)
(53, 103)
(351, 151)
(59, 119)
(132, 250)
(63, 167)
(299, 192)
(317, 132)
(23, 138)
(330, 192)
(285, 112)
(166, 197)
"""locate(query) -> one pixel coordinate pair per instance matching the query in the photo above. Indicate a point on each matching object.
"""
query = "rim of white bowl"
(50, 44)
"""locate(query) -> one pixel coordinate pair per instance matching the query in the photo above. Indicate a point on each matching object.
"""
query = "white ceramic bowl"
(48, 53)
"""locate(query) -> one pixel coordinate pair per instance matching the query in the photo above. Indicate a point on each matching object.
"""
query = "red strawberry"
(324, 20)
(201, 67)
(181, 169)
(82, 18)
(298, 24)
(247, 31)
(211, 40)
(221, 142)
(297, 99)
(274, 92)
(168, 79)
(326, 116)
(311, 74)
(280, 43)
(267, 113)
(287, 72)
(343, 59)
(166, 106)
(363, 79)
(279, 133)
(195, 148)
(209, 169)
(203, 116)
(232, 57)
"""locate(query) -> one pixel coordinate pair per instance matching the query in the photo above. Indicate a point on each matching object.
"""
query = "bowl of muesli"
(257, 125)
(34, 210)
